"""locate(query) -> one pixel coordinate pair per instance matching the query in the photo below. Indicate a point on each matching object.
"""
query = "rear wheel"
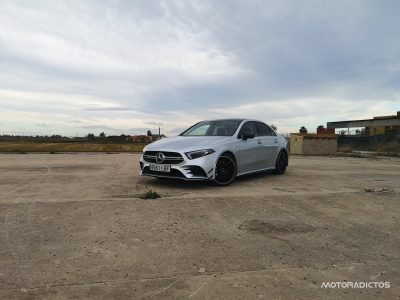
(281, 163)
(225, 170)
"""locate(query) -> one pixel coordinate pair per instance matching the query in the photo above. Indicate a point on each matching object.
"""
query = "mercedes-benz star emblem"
(160, 157)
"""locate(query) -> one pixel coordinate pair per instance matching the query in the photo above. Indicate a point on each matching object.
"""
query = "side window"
(264, 130)
(271, 132)
(248, 128)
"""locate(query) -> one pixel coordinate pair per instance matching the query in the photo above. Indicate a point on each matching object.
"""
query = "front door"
(250, 154)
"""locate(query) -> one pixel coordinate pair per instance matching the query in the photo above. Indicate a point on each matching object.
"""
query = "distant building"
(140, 139)
(313, 144)
(326, 130)
(155, 137)
(376, 126)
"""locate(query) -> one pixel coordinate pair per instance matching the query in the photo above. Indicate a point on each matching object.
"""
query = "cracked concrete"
(72, 226)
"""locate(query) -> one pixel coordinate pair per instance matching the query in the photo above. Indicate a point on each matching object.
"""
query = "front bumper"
(201, 168)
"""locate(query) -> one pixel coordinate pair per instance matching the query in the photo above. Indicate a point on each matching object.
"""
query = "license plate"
(160, 168)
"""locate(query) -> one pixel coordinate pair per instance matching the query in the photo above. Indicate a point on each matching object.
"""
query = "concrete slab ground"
(73, 226)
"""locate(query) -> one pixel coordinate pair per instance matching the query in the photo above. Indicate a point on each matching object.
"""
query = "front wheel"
(225, 170)
(281, 163)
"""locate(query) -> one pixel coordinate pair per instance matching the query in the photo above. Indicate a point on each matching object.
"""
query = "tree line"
(90, 137)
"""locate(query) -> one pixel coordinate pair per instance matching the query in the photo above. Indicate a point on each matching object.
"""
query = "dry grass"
(26, 147)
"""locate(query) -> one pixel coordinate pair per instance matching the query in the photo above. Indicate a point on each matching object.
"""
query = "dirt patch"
(283, 190)
(23, 169)
(380, 191)
(77, 168)
(261, 227)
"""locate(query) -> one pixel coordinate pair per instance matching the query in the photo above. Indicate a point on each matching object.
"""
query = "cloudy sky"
(73, 67)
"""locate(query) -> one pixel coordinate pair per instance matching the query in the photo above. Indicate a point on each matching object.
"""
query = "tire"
(281, 163)
(225, 170)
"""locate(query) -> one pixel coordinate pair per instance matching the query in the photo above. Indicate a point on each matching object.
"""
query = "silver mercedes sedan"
(218, 150)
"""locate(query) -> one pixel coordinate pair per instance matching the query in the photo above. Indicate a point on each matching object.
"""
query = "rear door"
(269, 142)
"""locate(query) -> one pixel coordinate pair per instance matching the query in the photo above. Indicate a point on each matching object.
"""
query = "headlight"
(199, 153)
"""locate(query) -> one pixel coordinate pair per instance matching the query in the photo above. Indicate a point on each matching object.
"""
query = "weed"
(150, 194)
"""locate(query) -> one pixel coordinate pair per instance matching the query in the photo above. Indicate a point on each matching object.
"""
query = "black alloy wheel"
(225, 170)
(281, 163)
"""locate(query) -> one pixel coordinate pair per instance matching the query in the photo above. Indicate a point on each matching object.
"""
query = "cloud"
(108, 109)
(96, 127)
(122, 65)
(153, 123)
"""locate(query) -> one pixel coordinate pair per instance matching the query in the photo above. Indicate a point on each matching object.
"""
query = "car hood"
(186, 143)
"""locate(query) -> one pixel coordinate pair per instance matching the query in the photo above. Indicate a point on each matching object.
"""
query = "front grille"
(173, 173)
(171, 158)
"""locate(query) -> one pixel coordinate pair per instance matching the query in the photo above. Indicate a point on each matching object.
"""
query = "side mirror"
(247, 136)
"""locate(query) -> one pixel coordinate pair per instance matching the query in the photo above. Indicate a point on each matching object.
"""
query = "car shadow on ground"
(179, 183)
(255, 176)
(203, 184)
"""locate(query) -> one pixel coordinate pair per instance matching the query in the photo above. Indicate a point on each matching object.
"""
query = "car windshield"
(213, 128)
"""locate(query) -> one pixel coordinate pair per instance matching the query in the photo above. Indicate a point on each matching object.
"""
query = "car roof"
(226, 119)
(235, 119)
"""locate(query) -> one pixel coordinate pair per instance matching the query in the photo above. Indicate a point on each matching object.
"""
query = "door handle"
(276, 140)
(259, 141)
